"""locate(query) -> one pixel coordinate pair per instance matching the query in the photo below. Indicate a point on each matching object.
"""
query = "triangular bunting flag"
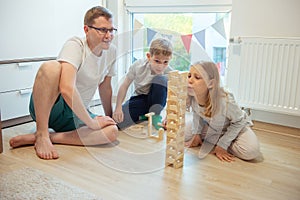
(137, 26)
(219, 27)
(186, 39)
(150, 34)
(200, 36)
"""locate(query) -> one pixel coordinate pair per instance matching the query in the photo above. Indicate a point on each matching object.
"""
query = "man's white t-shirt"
(91, 69)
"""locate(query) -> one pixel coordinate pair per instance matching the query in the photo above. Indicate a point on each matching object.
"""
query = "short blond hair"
(161, 46)
(94, 13)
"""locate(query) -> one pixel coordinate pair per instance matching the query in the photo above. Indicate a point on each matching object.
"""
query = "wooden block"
(172, 126)
(160, 135)
(171, 134)
(177, 164)
(170, 160)
(172, 116)
(178, 145)
(149, 115)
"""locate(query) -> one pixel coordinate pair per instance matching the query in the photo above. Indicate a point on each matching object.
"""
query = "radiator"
(264, 73)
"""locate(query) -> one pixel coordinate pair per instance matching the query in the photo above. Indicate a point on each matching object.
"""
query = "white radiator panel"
(264, 73)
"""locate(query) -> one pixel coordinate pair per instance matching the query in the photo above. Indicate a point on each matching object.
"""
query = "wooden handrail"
(26, 60)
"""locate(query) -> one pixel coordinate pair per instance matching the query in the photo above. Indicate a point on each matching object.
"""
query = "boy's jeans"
(142, 104)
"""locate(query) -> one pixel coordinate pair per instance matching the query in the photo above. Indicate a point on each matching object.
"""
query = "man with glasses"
(64, 88)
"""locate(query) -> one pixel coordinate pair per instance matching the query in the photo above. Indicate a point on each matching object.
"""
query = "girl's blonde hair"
(215, 91)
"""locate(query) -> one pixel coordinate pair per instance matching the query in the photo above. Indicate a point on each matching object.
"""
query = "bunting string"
(200, 35)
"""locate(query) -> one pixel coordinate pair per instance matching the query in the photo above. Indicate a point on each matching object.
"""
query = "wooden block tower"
(176, 107)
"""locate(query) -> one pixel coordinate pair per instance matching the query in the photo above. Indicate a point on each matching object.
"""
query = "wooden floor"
(133, 168)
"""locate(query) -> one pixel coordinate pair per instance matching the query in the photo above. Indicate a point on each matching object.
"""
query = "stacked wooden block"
(176, 107)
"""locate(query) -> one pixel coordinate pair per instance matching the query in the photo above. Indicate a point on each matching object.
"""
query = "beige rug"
(29, 183)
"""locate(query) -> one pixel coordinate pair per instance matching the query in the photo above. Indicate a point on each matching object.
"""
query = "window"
(219, 57)
(194, 28)
(195, 36)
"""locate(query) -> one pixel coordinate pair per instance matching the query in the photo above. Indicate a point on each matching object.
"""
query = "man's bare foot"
(22, 140)
(44, 148)
(194, 142)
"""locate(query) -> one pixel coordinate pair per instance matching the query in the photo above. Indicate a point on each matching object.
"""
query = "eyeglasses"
(104, 30)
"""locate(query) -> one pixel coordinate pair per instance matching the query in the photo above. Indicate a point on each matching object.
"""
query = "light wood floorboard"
(108, 170)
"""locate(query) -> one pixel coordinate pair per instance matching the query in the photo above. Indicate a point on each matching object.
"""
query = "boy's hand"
(118, 115)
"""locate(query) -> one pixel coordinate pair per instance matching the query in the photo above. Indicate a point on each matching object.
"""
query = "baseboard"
(276, 129)
(276, 118)
(16, 121)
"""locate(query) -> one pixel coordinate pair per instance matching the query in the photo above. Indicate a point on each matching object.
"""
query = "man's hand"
(101, 122)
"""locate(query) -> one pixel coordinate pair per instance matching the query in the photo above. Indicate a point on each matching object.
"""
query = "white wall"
(267, 18)
(35, 28)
